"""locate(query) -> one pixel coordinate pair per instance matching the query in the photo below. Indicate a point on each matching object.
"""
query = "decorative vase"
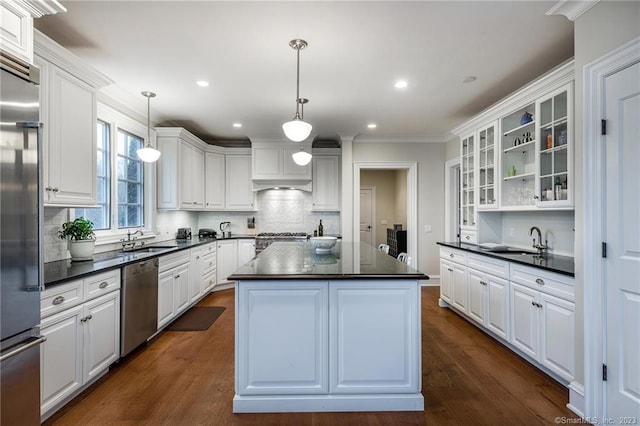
(81, 249)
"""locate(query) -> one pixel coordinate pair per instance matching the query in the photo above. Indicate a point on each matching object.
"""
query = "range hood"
(273, 166)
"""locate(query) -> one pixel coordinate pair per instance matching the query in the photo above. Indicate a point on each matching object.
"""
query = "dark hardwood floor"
(186, 378)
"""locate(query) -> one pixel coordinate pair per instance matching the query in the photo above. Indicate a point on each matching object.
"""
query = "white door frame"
(373, 210)
(450, 192)
(412, 199)
(593, 175)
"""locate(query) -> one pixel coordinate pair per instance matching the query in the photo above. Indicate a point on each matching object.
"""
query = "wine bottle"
(320, 229)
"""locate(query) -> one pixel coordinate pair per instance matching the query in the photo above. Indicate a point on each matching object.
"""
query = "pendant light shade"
(297, 129)
(148, 154)
(301, 158)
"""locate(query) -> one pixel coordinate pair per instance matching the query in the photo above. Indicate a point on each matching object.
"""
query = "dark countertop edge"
(327, 277)
(117, 263)
(472, 248)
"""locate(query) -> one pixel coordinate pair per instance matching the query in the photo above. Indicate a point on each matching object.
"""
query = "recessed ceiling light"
(469, 79)
(400, 84)
(372, 125)
(237, 125)
(202, 83)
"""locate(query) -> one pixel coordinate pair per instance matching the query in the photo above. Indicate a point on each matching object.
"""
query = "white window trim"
(117, 120)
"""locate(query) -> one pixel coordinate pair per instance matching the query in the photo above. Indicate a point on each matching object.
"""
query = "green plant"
(79, 229)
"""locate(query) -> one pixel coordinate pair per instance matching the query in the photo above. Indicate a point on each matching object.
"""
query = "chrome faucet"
(538, 246)
(129, 242)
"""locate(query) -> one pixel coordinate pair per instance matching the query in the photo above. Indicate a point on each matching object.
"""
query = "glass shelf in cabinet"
(523, 176)
(527, 146)
(522, 126)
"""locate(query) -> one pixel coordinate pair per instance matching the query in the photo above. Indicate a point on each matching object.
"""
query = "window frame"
(116, 121)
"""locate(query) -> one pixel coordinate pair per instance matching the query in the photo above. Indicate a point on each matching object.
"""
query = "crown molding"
(51, 51)
(420, 139)
(39, 8)
(572, 9)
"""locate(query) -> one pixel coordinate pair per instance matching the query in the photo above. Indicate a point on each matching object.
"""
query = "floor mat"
(198, 318)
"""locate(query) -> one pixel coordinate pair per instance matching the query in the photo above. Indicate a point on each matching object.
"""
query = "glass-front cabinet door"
(487, 193)
(518, 159)
(467, 183)
(555, 183)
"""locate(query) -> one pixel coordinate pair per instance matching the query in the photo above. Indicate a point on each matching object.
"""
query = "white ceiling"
(357, 50)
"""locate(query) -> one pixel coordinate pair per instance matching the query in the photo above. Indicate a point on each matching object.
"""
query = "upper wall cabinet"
(272, 164)
(214, 181)
(68, 105)
(180, 170)
(326, 182)
(238, 192)
(16, 24)
(518, 154)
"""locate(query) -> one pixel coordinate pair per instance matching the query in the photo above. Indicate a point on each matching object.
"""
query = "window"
(119, 172)
(130, 181)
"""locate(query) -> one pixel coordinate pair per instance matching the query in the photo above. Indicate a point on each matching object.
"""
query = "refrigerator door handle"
(22, 348)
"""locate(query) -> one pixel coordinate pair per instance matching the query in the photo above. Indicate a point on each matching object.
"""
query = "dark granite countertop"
(550, 262)
(298, 260)
(60, 271)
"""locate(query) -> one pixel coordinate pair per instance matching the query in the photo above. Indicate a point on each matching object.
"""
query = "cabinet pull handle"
(177, 276)
(539, 281)
(483, 283)
(535, 197)
(103, 284)
(89, 317)
(449, 269)
(48, 188)
(468, 237)
(55, 189)
(451, 255)
(58, 300)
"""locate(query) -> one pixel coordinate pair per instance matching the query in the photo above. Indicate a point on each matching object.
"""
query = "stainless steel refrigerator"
(20, 247)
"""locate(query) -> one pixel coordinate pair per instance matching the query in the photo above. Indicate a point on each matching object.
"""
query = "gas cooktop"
(281, 234)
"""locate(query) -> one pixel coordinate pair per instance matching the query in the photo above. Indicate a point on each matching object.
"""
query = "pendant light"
(297, 130)
(148, 154)
(302, 157)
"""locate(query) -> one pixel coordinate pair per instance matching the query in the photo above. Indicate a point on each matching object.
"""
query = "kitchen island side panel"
(328, 345)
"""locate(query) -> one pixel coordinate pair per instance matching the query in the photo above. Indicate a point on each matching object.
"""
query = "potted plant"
(81, 238)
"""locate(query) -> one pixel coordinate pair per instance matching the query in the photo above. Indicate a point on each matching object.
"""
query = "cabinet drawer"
(469, 237)
(453, 255)
(209, 280)
(99, 284)
(61, 297)
(208, 263)
(546, 282)
(172, 260)
(498, 268)
(209, 248)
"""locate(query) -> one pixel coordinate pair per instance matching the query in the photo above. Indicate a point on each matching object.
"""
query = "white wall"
(430, 158)
(604, 27)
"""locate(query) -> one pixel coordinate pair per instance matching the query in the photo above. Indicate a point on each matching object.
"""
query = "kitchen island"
(336, 331)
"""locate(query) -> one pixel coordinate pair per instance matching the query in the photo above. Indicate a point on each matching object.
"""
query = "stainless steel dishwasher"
(139, 304)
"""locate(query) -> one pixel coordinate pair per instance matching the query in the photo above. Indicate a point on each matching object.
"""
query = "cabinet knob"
(55, 189)
(103, 284)
(539, 281)
(177, 276)
(48, 188)
(451, 255)
(535, 197)
(58, 300)
(468, 237)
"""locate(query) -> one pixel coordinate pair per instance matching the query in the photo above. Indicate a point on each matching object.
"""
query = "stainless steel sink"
(153, 249)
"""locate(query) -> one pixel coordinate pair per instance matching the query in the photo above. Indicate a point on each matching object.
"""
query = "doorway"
(411, 202)
(452, 200)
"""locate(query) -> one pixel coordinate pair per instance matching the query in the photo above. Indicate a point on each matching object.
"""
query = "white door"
(366, 216)
(477, 296)
(101, 334)
(622, 234)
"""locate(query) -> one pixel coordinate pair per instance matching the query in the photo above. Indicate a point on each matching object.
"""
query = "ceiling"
(357, 51)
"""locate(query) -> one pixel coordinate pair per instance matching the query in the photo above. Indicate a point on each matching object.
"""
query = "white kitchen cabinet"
(173, 286)
(83, 340)
(191, 177)
(16, 24)
(543, 319)
(203, 265)
(180, 170)
(453, 277)
(227, 259)
(239, 193)
(214, 182)
(326, 183)
(246, 250)
(272, 161)
(68, 110)
(489, 293)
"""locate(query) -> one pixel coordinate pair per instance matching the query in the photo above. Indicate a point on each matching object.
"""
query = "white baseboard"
(576, 398)
(327, 403)
(433, 281)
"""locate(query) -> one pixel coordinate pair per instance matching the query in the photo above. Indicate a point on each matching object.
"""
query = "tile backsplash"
(278, 210)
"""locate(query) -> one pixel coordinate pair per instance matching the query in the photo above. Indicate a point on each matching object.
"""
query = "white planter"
(81, 249)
